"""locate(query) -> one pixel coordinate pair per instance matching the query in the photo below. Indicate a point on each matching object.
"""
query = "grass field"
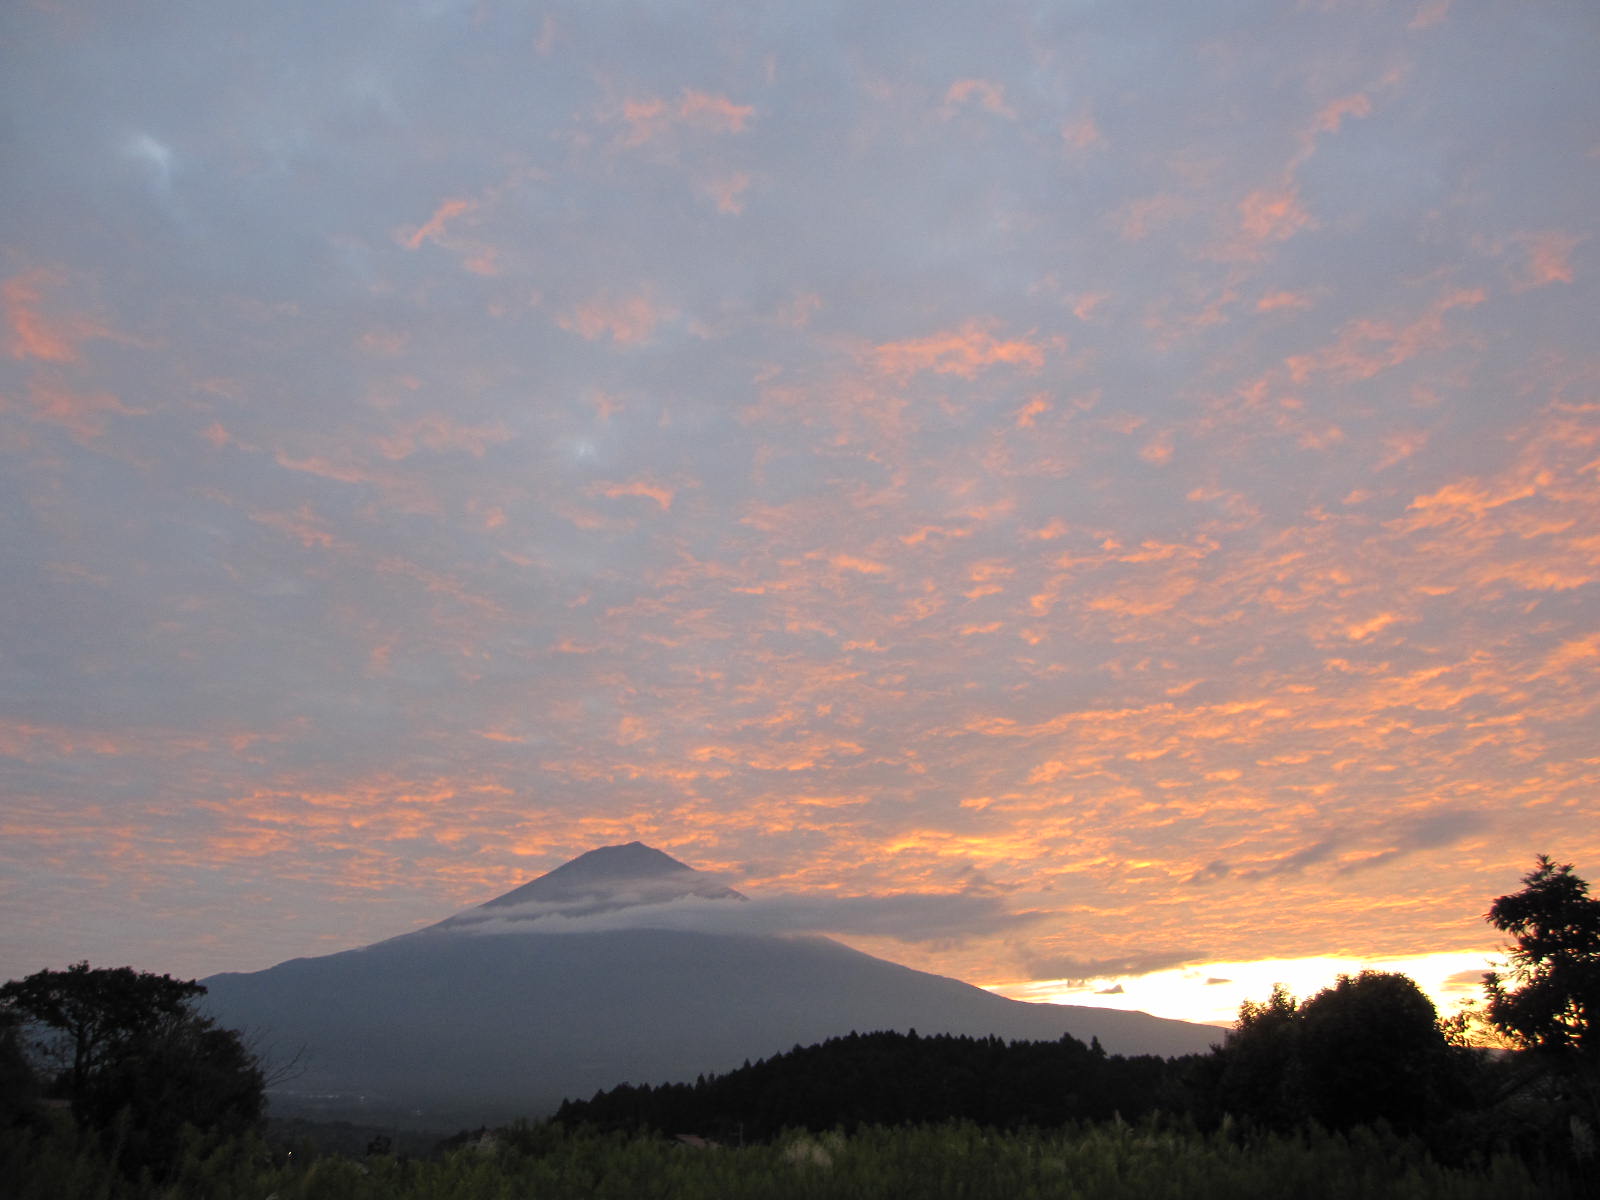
(1109, 1162)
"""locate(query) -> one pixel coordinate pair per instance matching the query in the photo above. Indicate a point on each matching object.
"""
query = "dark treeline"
(893, 1079)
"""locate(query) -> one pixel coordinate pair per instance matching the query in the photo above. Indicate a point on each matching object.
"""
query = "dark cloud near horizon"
(1290, 864)
(1078, 971)
(1431, 831)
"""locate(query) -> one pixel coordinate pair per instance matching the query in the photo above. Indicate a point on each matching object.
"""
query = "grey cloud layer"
(908, 917)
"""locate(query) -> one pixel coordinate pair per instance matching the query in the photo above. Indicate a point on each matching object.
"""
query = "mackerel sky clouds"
(1131, 470)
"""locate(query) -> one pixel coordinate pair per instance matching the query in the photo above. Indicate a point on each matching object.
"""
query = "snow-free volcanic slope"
(482, 1018)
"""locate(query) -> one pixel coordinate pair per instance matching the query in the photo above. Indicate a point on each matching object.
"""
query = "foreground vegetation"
(1104, 1162)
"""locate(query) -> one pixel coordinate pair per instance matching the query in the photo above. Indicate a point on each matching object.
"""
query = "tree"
(1255, 1071)
(1549, 1000)
(191, 1073)
(87, 1018)
(1368, 1049)
(18, 1085)
(1371, 1048)
(128, 1050)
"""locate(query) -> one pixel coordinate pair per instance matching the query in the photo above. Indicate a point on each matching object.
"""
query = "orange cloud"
(440, 584)
(1333, 114)
(444, 228)
(433, 229)
(1368, 346)
(918, 536)
(957, 352)
(797, 313)
(303, 525)
(1158, 450)
(1085, 306)
(1277, 301)
(385, 342)
(728, 192)
(31, 335)
(1581, 653)
(627, 320)
(82, 414)
(1035, 407)
(713, 111)
(403, 492)
(33, 332)
(1400, 445)
(31, 741)
(1082, 133)
(1549, 259)
(1361, 630)
(662, 495)
(1429, 14)
(1272, 215)
(546, 40)
(861, 566)
(439, 433)
(1470, 496)
(991, 97)
(803, 756)
(1137, 219)
(650, 119)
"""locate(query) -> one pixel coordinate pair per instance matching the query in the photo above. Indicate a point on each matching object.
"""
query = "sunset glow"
(1128, 474)
(1213, 992)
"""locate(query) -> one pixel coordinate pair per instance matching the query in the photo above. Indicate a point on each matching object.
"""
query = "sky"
(1097, 498)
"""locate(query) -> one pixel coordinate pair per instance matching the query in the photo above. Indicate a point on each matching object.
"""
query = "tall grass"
(1107, 1162)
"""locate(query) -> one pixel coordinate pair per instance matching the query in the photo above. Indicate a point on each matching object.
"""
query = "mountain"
(601, 881)
(563, 986)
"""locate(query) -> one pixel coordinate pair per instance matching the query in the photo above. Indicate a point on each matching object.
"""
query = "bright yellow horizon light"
(1210, 993)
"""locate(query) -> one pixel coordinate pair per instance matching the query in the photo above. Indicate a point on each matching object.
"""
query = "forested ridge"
(889, 1078)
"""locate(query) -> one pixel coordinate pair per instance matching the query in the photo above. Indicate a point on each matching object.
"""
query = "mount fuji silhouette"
(584, 978)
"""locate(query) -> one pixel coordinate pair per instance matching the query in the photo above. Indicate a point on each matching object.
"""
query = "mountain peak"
(604, 880)
(597, 871)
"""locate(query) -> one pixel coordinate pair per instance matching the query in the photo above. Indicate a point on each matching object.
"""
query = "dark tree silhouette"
(1255, 1072)
(1371, 1048)
(84, 1019)
(1368, 1049)
(1549, 999)
(18, 1086)
(129, 1051)
(890, 1078)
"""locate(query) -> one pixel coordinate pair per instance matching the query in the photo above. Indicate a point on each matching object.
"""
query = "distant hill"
(486, 1016)
(894, 1079)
